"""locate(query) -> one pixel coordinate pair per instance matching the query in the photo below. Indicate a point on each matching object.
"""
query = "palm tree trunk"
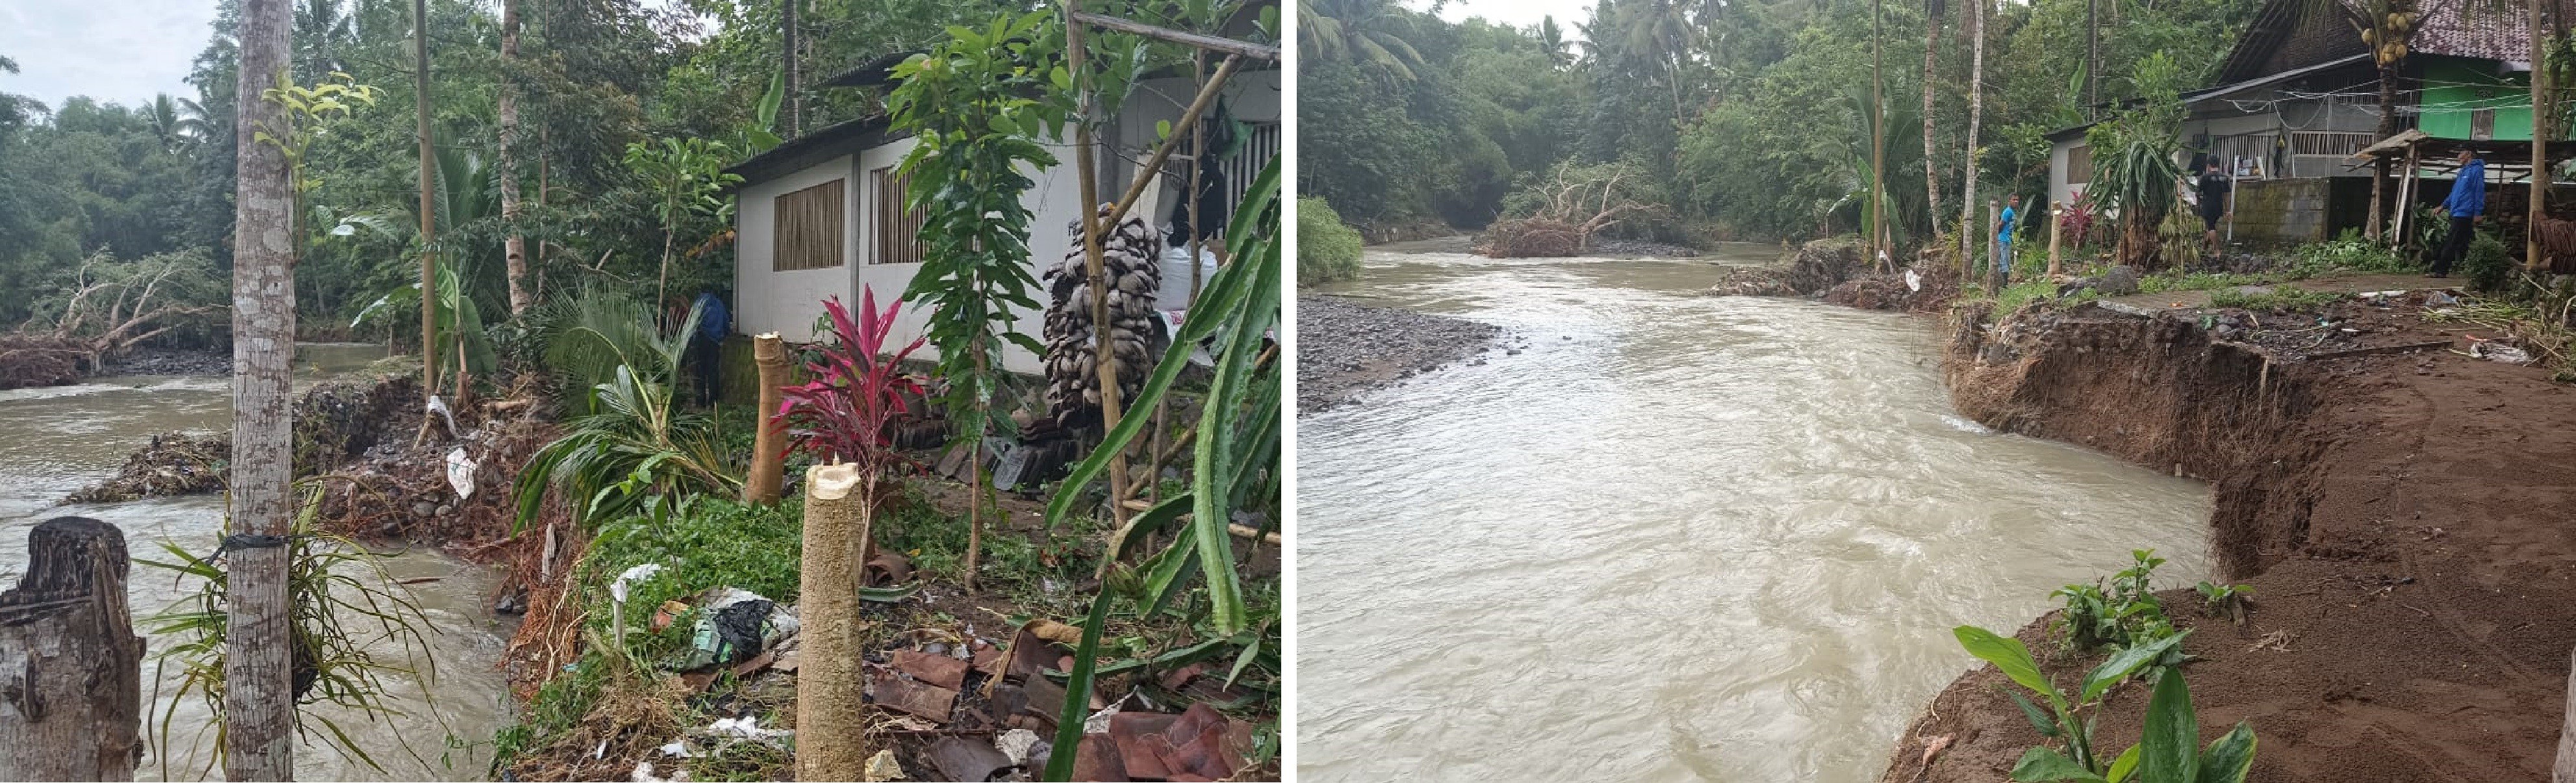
(1976, 114)
(787, 54)
(2541, 108)
(522, 296)
(1931, 66)
(2379, 169)
(259, 696)
(1877, 141)
(428, 216)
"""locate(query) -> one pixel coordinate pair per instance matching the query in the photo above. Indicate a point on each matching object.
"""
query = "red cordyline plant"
(841, 416)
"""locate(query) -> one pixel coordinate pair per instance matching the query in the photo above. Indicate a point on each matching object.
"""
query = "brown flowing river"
(1675, 537)
(56, 440)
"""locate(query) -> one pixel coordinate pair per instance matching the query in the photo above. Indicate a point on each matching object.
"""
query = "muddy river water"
(1675, 537)
(60, 439)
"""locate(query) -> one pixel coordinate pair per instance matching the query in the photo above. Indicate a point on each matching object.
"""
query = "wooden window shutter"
(809, 225)
(897, 230)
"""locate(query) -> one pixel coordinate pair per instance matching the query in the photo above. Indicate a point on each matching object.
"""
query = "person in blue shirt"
(714, 323)
(2003, 239)
(2466, 206)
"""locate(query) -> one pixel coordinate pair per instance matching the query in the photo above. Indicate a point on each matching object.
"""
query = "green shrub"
(2488, 264)
(1326, 249)
(2349, 253)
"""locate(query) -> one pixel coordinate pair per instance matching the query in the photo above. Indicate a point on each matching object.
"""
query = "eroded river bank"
(1673, 537)
(60, 439)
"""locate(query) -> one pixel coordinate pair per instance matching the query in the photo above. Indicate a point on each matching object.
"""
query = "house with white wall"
(822, 215)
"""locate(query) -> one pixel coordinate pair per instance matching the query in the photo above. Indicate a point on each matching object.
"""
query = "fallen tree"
(111, 306)
(1560, 214)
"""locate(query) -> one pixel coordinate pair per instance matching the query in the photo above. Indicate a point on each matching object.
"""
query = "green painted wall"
(2455, 87)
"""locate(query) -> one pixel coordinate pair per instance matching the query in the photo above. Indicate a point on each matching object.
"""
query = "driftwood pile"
(1818, 266)
(1130, 256)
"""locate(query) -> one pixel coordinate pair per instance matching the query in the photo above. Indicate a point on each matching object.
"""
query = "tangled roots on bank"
(1818, 265)
(334, 423)
(40, 360)
(1531, 238)
(631, 718)
(173, 463)
(1930, 292)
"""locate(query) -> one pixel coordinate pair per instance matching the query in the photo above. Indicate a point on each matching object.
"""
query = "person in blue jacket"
(2003, 239)
(705, 347)
(2466, 206)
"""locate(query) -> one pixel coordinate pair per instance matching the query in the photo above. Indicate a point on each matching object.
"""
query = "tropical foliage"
(1749, 119)
(639, 449)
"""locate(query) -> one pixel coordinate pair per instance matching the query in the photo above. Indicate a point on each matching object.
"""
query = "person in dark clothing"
(2467, 205)
(714, 322)
(2214, 187)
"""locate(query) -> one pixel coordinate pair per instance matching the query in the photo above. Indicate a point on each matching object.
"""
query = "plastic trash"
(1913, 281)
(635, 575)
(460, 473)
(2500, 353)
(439, 406)
(1015, 745)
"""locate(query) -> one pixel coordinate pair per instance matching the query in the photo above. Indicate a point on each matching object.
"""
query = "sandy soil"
(1345, 348)
(2402, 515)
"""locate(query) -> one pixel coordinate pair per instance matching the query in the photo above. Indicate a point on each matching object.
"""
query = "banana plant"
(1236, 462)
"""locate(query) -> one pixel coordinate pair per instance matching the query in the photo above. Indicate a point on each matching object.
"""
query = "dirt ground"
(2403, 516)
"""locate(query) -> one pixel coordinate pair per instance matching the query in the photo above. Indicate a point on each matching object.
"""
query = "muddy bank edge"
(2401, 517)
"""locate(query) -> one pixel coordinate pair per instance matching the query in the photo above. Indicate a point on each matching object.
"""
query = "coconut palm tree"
(1931, 64)
(259, 696)
(1551, 41)
(1370, 32)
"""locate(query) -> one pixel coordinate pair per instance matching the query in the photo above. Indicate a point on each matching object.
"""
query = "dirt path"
(1345, 348)
(2404, 519)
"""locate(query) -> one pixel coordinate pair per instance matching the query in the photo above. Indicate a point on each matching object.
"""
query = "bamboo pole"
(1104, 360)
(1193, 40)
(1094, 224)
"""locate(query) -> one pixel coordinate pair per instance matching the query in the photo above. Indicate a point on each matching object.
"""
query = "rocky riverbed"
(1344, 347)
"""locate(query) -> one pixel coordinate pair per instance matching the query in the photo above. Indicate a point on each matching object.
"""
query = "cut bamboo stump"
(831, 734)
(71, 668)
(768, 454)
(2056, 210)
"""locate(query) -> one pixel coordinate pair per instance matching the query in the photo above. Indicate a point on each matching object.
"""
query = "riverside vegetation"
(557, 348)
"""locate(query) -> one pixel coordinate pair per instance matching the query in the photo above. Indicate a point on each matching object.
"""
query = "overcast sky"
(1518, 13)
(120, 51)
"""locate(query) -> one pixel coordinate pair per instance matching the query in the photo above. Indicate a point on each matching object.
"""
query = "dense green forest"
(1740, 120)
(118, 178)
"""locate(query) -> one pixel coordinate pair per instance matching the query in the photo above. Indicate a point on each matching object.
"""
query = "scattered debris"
(882, 767)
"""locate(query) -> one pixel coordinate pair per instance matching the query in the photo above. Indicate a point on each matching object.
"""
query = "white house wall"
(785, 302)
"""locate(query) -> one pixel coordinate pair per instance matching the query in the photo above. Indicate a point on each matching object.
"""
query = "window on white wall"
(808, 229)
(898, 230)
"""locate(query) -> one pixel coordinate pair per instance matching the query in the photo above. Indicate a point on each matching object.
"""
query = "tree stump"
(71, 667)
(831, 734)
(769, 447)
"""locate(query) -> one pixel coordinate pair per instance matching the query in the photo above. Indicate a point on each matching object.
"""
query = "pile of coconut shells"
(1129, 256)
